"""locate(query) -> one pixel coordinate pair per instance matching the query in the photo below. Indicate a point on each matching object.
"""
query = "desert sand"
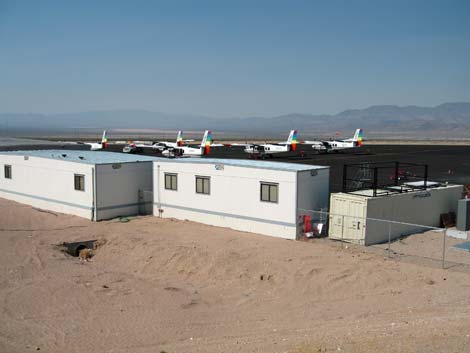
(160, 285)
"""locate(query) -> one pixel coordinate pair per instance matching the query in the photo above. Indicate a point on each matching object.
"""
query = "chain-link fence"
(434, 246)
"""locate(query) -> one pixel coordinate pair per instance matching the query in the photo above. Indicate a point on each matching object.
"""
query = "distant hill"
(448, 120)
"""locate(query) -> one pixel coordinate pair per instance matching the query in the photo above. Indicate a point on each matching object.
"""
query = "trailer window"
(7, 170)
(171, 181)
(269, 192)
(203, 185)
(79, 181)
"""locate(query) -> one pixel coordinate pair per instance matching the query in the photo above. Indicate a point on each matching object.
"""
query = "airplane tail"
(292, 140)
(179, 139)
(358, 137)
(206, 142)
(104, 140)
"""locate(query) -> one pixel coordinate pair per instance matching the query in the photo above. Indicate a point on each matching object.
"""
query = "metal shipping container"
(356, 217)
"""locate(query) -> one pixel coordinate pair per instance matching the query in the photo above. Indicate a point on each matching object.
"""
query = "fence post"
(389, 237)
(342, 230)
(444, 250)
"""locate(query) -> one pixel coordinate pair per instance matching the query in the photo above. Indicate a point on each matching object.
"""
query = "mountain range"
(448, 120)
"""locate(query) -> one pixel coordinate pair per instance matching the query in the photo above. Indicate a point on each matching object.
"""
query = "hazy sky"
(232, 58)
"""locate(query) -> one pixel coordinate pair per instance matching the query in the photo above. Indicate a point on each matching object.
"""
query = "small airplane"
(161, 145)
(132, 148)
(337, 145)
(187, 151)
(158, 145)
(97, 146)
(268, 149)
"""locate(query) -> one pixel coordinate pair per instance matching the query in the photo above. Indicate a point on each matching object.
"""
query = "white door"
(347, 219)
(338, 208)
(355, 222)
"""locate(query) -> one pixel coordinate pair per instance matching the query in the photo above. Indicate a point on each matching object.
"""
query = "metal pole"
(444, 250)
(397, 167)
(342, 231)
(375, 182)
(425, 176)
(389, 237)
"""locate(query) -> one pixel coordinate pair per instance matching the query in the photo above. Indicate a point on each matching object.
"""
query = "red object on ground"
(307, 224)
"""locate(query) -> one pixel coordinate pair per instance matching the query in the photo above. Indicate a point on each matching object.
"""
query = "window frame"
(171, 175)
(202, 177)
(82, 176)
(8, 175)
(269, 184)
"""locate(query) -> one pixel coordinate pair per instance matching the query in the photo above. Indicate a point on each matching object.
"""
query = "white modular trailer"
(93, 185)
(46, 183)
(254, 196)
(355, 217)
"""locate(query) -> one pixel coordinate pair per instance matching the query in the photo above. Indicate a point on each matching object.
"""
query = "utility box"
(362, 218)
(463, 215)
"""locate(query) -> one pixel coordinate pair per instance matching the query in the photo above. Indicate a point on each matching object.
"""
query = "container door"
(336, 219)
(354, 224)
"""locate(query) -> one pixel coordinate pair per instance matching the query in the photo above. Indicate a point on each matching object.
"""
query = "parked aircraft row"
(179, 148)
(174, 149)
(269, 149)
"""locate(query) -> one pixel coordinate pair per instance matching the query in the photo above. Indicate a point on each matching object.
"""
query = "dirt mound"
(160, 285)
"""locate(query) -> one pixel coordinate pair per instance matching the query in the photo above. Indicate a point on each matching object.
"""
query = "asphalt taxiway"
(449, 163)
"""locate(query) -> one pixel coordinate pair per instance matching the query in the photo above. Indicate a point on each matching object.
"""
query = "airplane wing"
(144, 145)
(241, 144)
(326, 146)
(311, 142)
(318, 145)
(162, 145)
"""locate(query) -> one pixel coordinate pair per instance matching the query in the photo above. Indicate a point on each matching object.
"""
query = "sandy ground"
(175, 286)
(427, 249)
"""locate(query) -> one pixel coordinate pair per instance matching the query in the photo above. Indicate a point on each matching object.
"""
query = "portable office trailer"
(93, 185)
(253, 196)
(354, 217)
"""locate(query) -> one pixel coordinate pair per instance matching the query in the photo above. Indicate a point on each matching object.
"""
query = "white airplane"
(337, 145)
(268, 149)
(187, 151)
(158, 145)
(163, 145)
(96, 146)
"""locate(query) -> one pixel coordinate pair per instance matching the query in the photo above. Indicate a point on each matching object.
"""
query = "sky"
(226, 58)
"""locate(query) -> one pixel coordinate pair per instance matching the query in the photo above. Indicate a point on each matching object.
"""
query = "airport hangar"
(254, 196)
